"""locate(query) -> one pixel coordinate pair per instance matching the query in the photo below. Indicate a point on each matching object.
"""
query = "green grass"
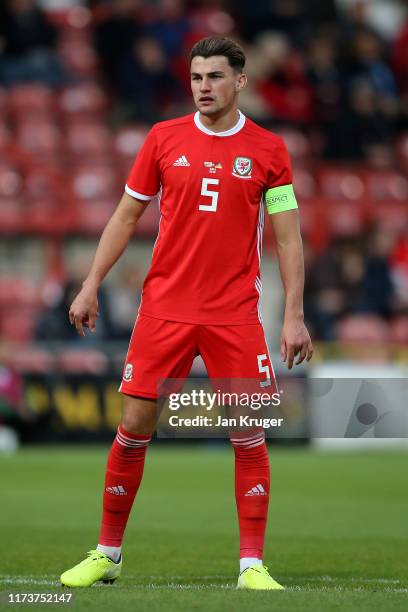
(337, 532)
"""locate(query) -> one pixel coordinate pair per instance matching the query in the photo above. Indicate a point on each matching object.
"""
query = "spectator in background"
(282, 80)
(351, 277)
(400, 66)
(252, 17)
(328, 92)
(295, 18)
(174, 30)
(170, 28)
(368, 63)
(27, 46)
(124, 301)
(365, 125)
(143, 55)
(146, 84)
(252, 102)
(372, 103)
(383, 16)
(400, 58)
(323, 68)
(53, 324)
(116, 34)
(325, 297)
(378, 290)
(399, 271)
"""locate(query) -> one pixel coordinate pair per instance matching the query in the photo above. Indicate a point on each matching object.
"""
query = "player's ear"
(241, 82)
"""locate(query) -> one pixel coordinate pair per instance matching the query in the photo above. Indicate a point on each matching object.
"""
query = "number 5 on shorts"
(264, 368)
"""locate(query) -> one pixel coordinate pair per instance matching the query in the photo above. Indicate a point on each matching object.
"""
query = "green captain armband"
(279, 199)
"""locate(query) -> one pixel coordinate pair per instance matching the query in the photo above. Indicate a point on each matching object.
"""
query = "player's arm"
(115, 238)
(282, 207)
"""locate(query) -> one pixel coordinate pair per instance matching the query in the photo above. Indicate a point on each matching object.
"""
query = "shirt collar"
(236, 128)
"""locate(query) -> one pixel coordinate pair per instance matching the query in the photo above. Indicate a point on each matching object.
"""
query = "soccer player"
(213, 170)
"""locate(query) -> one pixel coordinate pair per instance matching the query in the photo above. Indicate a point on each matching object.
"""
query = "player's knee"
(139, 415)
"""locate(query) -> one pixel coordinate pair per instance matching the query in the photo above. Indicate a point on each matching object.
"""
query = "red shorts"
(162, 349)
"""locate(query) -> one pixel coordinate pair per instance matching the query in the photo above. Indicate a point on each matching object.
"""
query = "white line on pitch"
(33, 579)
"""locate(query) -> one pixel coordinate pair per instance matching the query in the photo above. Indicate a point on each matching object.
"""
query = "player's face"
(215, 85)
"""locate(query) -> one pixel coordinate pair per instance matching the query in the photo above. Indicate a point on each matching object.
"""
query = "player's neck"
(220, 123)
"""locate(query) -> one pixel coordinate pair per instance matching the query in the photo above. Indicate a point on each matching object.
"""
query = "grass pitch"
(337, 533)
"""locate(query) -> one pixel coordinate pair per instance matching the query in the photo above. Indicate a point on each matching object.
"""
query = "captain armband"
(279, 199)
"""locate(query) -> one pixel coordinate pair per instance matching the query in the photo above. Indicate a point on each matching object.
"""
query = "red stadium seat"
(18, 322)
(11, 215)
(50, 216)
(345, 218)
(3, 100)
(364, 337)
(95, 182)
(88, 139)
(39, 137)
(390, 215)
(43, 182)
(362, 328)
(128, 140)
(387, 186)
(11, 182)
(69, 19)
(297, 143)
(306, 187)
(18, 291)
(399, 330)
(5, 136)
(31, 359)
(79, 57)
(31, 99)
(83, 100)
(125, 166)
(314, 223)
(402, 150)
(94, 214)
(341, 183)
(82, 361)
(127, 143)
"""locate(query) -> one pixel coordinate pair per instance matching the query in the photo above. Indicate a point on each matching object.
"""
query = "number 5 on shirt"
(211, 194)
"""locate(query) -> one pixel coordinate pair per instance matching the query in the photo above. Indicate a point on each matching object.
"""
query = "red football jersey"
(206, 260)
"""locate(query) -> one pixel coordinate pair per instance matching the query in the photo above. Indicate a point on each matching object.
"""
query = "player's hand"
(295, 340)
(84, 309)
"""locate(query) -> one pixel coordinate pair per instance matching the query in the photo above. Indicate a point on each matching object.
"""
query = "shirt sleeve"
(279, 195)
(143, 181)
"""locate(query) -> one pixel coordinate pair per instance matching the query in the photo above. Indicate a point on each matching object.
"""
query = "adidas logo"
(181, 161)
(119, 490)
(257, 490)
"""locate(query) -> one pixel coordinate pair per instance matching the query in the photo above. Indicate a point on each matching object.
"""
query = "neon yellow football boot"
(96, 566)
(257, 577)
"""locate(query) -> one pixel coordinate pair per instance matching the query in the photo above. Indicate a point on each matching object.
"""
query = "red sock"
(124, 471)
(252, 480)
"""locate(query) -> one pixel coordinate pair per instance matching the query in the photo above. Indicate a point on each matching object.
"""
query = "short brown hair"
(217, 45)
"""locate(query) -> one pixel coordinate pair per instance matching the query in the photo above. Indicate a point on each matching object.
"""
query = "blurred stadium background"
(80, 85)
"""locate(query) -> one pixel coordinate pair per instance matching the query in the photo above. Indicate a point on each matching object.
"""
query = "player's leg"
(252, 486)
(158, 350)
(124, 471)
(123, 476)
(238, 352)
